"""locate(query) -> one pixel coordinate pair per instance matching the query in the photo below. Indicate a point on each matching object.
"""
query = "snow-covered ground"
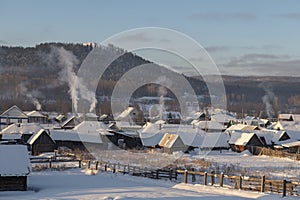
(76, 184)
(228, 162)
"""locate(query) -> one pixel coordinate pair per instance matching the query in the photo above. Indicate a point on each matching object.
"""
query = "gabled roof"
(35, 136)
(242, 127)
(239, 138)
(223, 117)
(91, 127)
(287, 125)
(215, 140)
(278, 135)
(35, 113)
(14, 112)
(25, 128)
(210, 125)
(291, 144)
(14, 160)
(285, 116)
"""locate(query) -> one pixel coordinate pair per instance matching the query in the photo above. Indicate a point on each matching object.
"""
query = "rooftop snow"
(14, 160)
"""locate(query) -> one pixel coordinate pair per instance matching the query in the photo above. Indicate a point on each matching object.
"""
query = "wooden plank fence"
(260, 184)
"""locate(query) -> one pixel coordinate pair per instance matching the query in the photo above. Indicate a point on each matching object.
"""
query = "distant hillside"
(38, 73)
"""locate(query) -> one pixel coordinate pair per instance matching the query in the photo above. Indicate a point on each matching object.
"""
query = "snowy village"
(165, 100)
(39, 140)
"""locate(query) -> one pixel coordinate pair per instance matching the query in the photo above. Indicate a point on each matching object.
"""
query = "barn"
(41, 142)
(14, 168)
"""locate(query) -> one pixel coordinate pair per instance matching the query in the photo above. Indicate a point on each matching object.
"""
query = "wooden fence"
(283, 187)
(261, 184)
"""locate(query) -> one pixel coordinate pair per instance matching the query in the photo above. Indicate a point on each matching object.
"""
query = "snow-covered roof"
(277, 136)
(35, 136)
(90, 127)
(291, 144)
(239, 138)
(284, 116)
(287, 125)
(11, 136)
(71, 135)
(223, 117)
(241, 127)
(14, 160)
(210, 125)
(34, 113)
(215, 139)
(24, 128)
(14, 112)
(150, 135)
(125, 113)
(293, 134)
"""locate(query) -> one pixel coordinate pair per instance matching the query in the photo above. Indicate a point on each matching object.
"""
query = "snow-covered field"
(76, 184)
(228, 162)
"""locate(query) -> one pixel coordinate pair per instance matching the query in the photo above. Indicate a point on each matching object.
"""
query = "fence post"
(124, 169)
(205, 178)
(193, 176)
(50, 164)
(105, 167)
(212, 178)
(170, 174)
(284, 188)
(157, 174)
(114, 169)
(185, 176)
(263, 181)
(221, 179)
(79, 163)
(89, 164)
(240, 183)
(97, 165)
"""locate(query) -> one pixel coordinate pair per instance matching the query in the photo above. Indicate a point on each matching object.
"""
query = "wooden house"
(240, 141)
(36, 117)
(15, 166)
(12, 115)
(171, 143)
(41, 142)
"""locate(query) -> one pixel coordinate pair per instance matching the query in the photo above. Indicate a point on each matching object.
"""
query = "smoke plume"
(161, 92)
(268, 99)
(24, 91)
(68, 61)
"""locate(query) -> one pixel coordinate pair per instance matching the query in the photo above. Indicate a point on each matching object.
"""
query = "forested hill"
(33, 73)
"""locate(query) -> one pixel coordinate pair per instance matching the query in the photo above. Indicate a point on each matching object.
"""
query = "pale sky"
(251, 37)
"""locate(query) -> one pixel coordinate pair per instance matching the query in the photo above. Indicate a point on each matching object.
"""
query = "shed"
(14, 168)
(292, 147)
(240, 141)
(171, 143)
(41, 142)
